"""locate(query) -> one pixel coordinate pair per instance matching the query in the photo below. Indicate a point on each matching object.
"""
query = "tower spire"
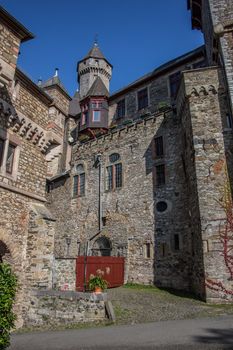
(96, 40)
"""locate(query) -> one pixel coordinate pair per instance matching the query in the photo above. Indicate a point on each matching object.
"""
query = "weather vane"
(96, 40)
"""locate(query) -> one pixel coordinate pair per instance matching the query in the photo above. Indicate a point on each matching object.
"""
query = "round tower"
(93, 65)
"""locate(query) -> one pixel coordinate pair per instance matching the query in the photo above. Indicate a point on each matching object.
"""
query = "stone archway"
(102, 247)
(5, 254)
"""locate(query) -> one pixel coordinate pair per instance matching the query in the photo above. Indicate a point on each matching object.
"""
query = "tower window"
(120, 109)
(160, 174)
(10, 158)
(159, 146)
(114, 173)
(96, 116)
(147, 250)
(142, 98)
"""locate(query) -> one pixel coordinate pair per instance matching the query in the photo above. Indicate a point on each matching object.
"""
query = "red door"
(111, 267)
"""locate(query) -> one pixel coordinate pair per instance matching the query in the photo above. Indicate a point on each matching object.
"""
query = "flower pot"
(98, 290)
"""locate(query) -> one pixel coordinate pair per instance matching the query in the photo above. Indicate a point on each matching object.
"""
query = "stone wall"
(64, 277)
(205, 94)
(131, 220)
(158, 92)
(54, 308)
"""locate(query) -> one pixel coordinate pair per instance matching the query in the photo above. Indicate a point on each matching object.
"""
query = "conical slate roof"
(95, 52)
(98, 88)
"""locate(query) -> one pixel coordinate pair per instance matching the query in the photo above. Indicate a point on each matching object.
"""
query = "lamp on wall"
(68, 242)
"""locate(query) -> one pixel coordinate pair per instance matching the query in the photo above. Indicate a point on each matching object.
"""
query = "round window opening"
(161, 206)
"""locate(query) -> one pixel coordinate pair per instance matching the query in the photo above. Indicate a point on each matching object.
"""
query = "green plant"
(8, 285)
(97, 281)
(163, 105)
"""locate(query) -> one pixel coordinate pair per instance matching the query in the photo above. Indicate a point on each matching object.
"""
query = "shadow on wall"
(173, 250)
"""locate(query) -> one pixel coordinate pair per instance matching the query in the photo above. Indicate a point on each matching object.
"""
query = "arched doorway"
(5, 255)
(102, 247)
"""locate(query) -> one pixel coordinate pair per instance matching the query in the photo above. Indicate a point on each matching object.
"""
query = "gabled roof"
(74, 107)
(98, 88)
(55, 80)
(17, 28)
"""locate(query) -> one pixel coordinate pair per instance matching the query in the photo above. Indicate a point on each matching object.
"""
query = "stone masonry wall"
(64, 277)
(131, 218)
(59, 308)
(205, 91)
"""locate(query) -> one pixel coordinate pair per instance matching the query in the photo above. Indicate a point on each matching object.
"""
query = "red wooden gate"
(113, 268)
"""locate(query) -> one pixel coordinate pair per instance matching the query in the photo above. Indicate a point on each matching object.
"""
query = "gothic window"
(142, 98)
(114, 172)
(79, 182)
(174, 80)
(102, 247)
(120, 109)
(160, 175)
(159, 146)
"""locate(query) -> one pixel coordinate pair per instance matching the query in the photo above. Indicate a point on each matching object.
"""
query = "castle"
(144, 174)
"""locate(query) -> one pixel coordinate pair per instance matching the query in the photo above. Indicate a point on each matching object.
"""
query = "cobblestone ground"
(140, 304)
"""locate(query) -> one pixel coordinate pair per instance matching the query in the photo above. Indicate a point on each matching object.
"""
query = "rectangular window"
(79, 185)
(109, 178)
(147, 250)
(84, 117)
(96, 116)
(159, 146)
(118, 175)
(174, 80)
(176, 242)
(120, 109)
(10, 158)
(160, 174)
(1, 150)
(142, 98)
(114, 176)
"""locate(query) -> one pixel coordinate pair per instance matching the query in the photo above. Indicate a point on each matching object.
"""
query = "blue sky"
(135, 35)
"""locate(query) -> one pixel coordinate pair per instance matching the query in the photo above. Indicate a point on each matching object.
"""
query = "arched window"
(102, 247)
(79, 181)
(114, 172)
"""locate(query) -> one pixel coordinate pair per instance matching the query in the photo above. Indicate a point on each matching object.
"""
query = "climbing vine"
(8, 285)
(226, 240)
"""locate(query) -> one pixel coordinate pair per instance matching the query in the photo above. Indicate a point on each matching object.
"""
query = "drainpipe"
(100, 198)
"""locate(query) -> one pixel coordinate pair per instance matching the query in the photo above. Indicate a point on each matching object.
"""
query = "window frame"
(158, 147)
(93, 113)
(9, 140)
(142, 98)
(115, 176)
(157, 177)
(79, 188)
(121, 109)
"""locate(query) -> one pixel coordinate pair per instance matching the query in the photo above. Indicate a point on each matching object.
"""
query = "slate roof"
(98, 88)
(95, 52)
(74, 107)
(162, 69)
(55, 80)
